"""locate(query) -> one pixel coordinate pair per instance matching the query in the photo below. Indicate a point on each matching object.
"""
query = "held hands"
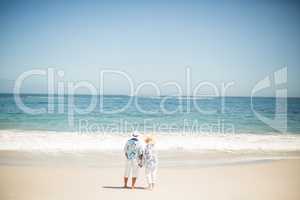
(140, 161)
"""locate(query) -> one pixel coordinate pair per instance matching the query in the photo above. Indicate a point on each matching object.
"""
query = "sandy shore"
(30, 176)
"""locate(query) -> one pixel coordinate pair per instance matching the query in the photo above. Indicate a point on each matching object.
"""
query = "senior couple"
(139, 151)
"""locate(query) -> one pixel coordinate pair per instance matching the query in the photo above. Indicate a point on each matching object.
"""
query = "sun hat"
(135, 134)
(149, 139)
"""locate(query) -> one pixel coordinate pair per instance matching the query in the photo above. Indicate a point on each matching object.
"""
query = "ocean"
(84, 122)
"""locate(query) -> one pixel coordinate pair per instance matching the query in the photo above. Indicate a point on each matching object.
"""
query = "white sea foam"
(68, 141)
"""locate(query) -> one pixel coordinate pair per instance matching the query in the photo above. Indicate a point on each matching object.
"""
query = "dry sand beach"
(182, 175)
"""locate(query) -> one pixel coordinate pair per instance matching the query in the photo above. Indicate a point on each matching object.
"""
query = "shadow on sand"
(122, 188)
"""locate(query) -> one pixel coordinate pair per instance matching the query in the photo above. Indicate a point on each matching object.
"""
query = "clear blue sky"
(221, 42)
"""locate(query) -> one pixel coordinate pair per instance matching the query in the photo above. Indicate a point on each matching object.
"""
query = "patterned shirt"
(150, 157)
(133, 149)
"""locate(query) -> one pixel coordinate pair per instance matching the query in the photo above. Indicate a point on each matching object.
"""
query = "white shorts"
(131, 168)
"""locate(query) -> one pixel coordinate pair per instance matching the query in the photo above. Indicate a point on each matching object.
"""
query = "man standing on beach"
(134, 152)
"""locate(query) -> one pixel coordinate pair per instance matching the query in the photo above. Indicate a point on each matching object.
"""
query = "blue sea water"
(155, 114)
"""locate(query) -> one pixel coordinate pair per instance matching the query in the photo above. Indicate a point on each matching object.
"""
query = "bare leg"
(125, 182)
(152, 186)
(133, 182)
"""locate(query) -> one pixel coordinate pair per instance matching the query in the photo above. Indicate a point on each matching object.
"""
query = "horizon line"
(212, 96)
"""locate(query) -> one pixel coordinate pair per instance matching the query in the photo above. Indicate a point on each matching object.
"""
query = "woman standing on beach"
(151, 161)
